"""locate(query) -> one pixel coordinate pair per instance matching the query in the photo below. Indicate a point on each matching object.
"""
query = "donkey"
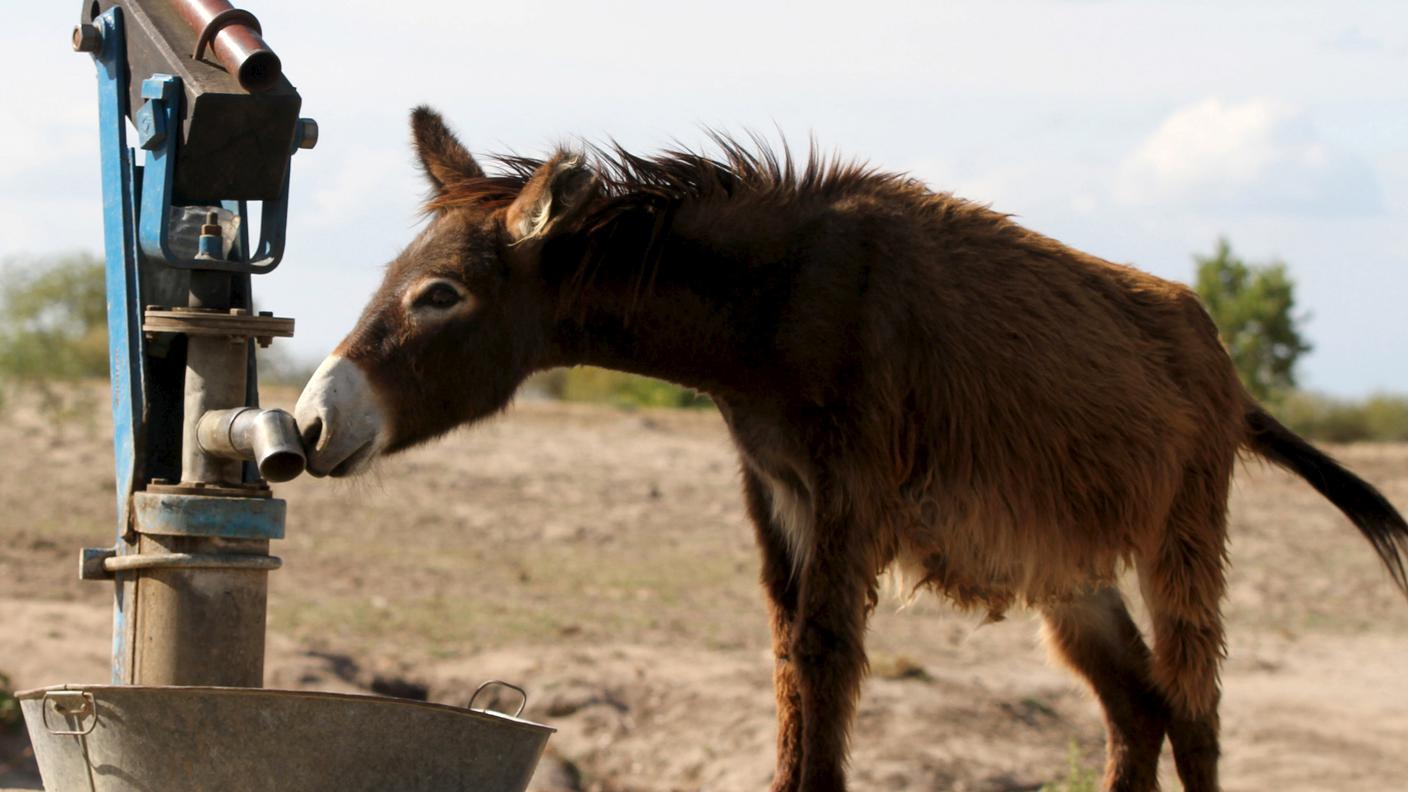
(911, 380)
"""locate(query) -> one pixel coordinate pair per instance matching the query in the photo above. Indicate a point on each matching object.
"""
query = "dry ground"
(601, 558)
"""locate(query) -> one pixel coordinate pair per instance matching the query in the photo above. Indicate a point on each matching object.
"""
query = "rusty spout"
(234, 36)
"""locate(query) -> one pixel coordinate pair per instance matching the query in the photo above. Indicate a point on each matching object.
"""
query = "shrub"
(1381, 418)
(603, 386)
(9, 707)
(53, 319)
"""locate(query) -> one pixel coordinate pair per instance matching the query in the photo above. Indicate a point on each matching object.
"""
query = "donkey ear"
(442, 155)
(558, 191)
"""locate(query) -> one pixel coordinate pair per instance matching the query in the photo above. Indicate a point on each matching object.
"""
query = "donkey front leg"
(828, 651)
(780, 584)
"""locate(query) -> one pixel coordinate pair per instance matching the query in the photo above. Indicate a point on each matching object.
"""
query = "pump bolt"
(307, 133)
(87, 38)
(211, 243)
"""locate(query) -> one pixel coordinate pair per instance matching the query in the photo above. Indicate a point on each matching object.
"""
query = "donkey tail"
(1364, 505)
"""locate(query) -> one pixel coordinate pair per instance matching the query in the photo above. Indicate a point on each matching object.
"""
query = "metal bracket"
(91, 560)
(158, 121)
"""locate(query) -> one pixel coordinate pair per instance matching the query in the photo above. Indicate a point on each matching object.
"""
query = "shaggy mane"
(678, 175)
(644, 194)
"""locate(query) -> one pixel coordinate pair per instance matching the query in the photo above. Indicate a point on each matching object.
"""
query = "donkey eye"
(439, 295)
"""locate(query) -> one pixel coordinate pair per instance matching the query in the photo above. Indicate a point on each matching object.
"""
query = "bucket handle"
(70, 704)
(523, 694)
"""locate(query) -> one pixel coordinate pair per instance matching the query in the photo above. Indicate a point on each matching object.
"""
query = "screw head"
(87, 38)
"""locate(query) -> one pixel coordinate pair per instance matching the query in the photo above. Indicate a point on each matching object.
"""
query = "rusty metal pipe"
(268, 437)
(238, 45)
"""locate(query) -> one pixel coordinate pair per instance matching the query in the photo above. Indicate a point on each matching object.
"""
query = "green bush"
(603, 386)
(53, 319)
(1254, 307)
(1380, 418)
(9, 707)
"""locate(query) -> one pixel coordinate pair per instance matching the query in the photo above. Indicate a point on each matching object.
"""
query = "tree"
(1253, 306)
(53, 318)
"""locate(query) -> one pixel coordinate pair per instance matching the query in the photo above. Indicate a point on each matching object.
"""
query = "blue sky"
(1136, 130)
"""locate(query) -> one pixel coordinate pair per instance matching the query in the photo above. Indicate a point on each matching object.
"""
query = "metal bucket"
(211, 739)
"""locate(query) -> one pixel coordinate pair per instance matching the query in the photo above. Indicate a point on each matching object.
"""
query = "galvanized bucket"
(211, 739)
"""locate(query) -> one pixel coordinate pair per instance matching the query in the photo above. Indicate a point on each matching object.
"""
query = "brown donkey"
(911, 380)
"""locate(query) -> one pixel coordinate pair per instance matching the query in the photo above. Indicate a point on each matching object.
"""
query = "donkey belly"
(986, 554)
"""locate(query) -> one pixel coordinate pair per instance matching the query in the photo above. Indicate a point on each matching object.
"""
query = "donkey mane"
(631, 181)
(639, 195)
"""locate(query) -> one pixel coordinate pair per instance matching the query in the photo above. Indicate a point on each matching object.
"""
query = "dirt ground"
(601, 559)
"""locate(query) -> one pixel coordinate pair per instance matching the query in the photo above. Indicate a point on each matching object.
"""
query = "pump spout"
(267, 437)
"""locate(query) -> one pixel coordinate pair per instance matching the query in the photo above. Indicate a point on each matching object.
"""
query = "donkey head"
(461, 318)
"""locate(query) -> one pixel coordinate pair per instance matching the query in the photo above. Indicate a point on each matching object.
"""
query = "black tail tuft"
(1364, 505)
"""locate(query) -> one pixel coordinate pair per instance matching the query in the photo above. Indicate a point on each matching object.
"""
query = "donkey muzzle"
(341, 421)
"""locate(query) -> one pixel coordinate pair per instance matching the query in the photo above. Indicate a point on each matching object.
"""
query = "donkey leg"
(780, 584)
(1095, 637)
(1183, 584)
(838, 588)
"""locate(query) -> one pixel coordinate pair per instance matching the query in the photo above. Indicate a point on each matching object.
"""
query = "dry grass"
(599, 555)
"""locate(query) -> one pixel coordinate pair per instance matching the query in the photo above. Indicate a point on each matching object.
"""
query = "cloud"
(1352, 39)
(1254, 157)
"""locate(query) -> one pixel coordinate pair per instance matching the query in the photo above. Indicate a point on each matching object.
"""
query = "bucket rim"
(97, 690)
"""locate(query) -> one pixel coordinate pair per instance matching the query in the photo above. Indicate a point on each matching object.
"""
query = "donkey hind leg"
(1096, 638)
(780, 585)
(1183, 584)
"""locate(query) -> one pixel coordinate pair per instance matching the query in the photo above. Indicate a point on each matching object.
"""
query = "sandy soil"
(601, 559)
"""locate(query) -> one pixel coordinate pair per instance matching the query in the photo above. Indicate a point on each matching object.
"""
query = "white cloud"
(1352, 39)
(1255, 157)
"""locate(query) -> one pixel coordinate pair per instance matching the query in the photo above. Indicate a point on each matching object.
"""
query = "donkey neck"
(691, 302)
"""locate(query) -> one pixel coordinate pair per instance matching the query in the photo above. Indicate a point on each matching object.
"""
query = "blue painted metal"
(199, 515)
(137, 215)
(210, 246)
(123, 292)
(162, 112)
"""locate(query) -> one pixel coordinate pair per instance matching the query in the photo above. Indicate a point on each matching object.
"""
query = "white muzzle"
(340, 419)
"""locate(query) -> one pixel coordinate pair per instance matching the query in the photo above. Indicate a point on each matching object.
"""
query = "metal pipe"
(200, 626)
(239, 46)
(268, 437)
(215, 380)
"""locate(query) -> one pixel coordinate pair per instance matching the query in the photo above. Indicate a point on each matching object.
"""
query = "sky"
(1136, 130)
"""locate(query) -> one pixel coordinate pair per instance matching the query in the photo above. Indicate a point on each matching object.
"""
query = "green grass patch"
(1078, 778)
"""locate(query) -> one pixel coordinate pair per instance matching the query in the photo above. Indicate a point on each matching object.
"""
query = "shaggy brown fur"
(912, 380)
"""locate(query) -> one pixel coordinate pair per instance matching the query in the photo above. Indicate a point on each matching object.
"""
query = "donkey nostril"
(311, 434)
